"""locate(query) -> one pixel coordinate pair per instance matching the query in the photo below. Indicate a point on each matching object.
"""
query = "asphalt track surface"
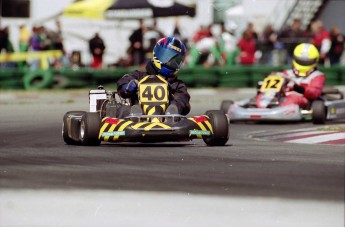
(44, 182)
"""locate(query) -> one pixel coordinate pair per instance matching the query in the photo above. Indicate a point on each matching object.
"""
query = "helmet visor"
(305, 62)
(175, 62)
(168, 57)
(302, 70)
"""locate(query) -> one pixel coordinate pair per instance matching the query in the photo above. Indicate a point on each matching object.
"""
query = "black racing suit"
(177, 89)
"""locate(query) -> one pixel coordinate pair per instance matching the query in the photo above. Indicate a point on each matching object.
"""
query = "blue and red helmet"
(168, 56)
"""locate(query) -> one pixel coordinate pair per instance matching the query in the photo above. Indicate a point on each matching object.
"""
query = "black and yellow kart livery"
(109, 124)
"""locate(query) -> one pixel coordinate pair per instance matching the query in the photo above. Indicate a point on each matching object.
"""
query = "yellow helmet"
(305, 59)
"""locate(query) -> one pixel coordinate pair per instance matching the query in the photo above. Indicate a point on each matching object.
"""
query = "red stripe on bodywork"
(200, 119)
(113, 121)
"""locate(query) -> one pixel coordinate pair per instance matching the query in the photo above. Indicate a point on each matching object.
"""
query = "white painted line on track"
(319, 139)
(261, 134)
(128, 208)
(294, 134)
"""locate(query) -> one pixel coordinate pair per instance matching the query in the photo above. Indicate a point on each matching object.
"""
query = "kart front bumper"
(120, 130)
(284, 113)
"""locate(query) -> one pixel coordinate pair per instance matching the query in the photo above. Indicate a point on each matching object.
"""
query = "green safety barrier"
(198, 76)
(38, 79)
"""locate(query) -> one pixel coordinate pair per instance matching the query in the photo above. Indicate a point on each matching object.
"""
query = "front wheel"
(319, 112)
(90, 126)
(68, 126)
(220, 126)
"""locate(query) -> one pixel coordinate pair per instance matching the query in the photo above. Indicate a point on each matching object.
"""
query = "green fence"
(234, 76)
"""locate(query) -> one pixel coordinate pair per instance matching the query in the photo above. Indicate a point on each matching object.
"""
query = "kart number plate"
(153, 93)
(272, 83)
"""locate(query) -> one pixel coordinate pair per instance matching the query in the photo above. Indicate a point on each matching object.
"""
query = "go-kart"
(114, 119)
(330, 105)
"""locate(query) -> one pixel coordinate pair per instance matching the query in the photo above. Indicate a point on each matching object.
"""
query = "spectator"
(96, 47)
(227, 45)
(6, 45)
(45, 37)
(151, 36)
(203, 44)
(203, 32)
(76, 61)
(247, 46)
(5, 42)
(321, 39)
(24, 37)
(56, 37)
(267, 42)
(57, 44)
(35, 44)
(35, 40)
(337, 46)
(178, 33)
(291, 37)
(136, 49)
(250, 29)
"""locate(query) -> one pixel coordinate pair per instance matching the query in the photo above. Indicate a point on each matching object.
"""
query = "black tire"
(220, 125)
(90, 125)
(319, 112)
(226, 105)
(65, 136)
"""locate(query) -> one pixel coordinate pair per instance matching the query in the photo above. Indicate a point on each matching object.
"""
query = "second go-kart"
(113, 119)
(329, 106)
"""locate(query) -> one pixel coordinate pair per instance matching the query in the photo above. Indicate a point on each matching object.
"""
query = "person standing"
(150, 38)
(247, 46)
(337, 46)
(24, 37)
(291, 36)
(136, 48)
(321, 40)
(97, 47)
(267, 42)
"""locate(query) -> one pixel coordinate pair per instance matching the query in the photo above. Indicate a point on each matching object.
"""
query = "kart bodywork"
(330, 106)
(112, 119)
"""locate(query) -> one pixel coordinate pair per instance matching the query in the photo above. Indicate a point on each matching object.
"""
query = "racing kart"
(330, 105)
(114, 119)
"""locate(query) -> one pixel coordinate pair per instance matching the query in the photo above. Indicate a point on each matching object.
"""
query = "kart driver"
(305, 82)
(168, 57)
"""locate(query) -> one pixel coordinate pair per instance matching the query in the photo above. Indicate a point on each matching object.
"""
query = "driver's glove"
(298, 88)
(131, 87)
(289, 86)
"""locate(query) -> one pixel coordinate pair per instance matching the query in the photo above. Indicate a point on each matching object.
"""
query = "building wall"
(334, 13)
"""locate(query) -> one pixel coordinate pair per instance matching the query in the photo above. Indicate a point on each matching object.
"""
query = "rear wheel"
(226, 105)
(65, 135)
(90, 125)
(319, 113)
(220, 125)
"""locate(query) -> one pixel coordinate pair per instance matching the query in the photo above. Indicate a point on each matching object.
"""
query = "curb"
(328, 135)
